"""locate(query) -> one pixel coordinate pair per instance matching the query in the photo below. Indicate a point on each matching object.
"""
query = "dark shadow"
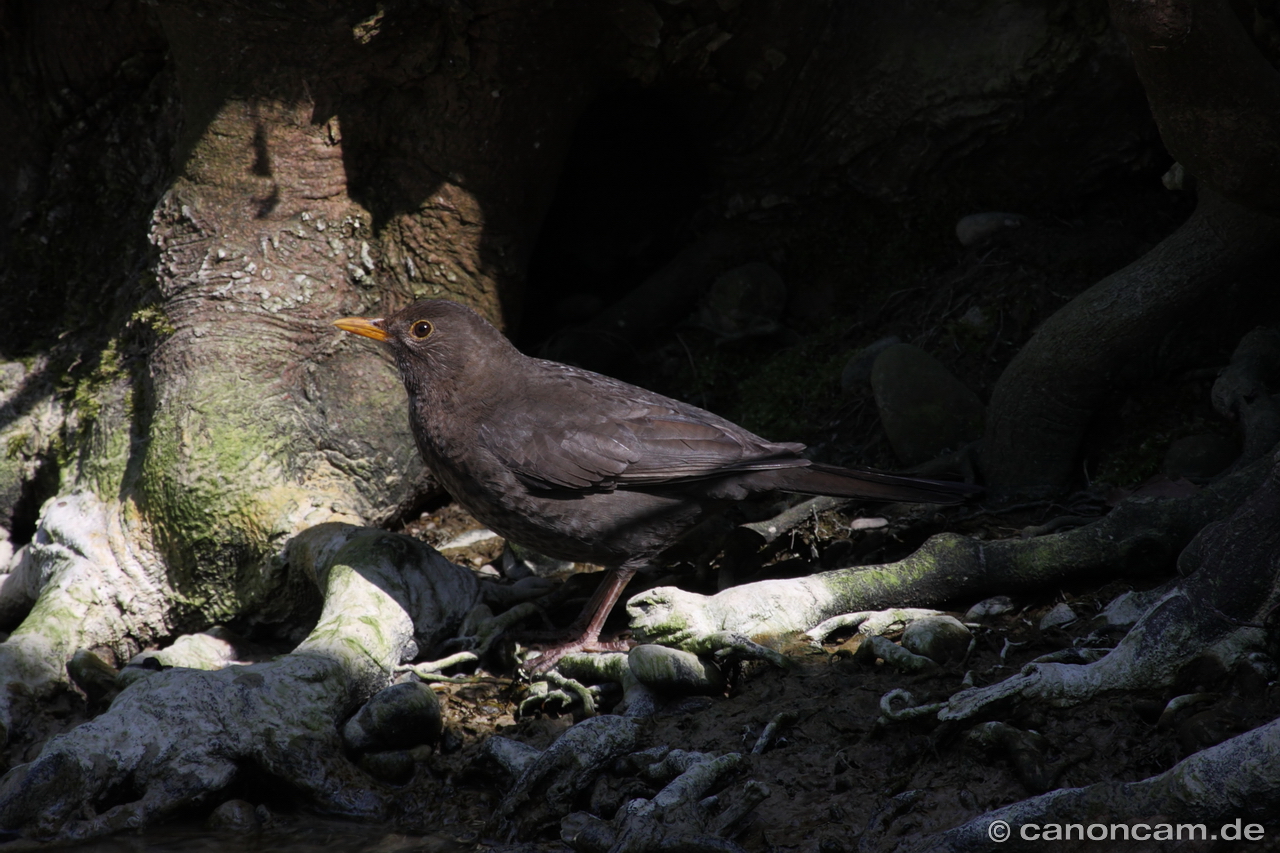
(266, 206)
(635, 173)
(261, 157)
(26, 511)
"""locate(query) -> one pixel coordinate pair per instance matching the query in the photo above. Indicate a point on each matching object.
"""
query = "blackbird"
(583, 467)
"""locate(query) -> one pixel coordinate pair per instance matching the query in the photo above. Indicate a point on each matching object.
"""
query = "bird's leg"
(588, 625)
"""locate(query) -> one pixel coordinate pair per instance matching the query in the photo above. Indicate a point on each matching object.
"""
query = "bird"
(583, 467)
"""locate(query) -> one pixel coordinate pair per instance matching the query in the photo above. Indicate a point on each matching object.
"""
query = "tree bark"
(1046, 399)
(1214, 94)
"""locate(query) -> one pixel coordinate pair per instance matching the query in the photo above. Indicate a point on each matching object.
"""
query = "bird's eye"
(421, 329)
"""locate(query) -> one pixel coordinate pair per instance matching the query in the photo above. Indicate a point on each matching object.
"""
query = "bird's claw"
(548, 658)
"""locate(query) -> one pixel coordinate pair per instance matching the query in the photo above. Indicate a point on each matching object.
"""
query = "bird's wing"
(584, 431)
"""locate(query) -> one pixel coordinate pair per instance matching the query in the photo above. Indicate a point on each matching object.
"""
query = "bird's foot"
(547, 658)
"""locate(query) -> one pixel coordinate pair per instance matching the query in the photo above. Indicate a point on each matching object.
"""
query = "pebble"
(235, 816)
(942, 639)
(399, 717)
(207, 650)
(1060, 615)
(988, 607)
(924, 409)
(1126, 609)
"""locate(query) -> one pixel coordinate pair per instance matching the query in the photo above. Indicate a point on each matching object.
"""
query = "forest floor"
(836, 769)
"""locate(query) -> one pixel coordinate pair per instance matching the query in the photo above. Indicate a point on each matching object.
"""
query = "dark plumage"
(583, 467)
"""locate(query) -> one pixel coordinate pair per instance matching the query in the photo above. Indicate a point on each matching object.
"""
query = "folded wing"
(590, 432)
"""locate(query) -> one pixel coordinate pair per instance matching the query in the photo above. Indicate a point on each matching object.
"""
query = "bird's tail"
(818, 479)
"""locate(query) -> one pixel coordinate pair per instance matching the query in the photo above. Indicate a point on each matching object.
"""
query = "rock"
(1127, 608)
(924, 409)
(1060, 615)
(1178, 178)
(976, 321)
(942, 639)
(744, 302)
(988, 607)
(235, 816)
(857, 370)
(1199, 457)
(673, 671)
(978, 228)
(399, 717)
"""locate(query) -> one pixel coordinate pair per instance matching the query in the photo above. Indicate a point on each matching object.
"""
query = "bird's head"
(432, 339)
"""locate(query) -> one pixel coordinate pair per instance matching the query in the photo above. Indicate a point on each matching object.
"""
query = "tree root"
(1223, 787)
(679, 817)
(177, 737)
(1214, 95)
(1241, 392)
(1045, 400)
(1140, 534)
(1221, 609)
(546, 789)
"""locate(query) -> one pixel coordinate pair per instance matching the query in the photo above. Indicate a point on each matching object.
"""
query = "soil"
(839, 766)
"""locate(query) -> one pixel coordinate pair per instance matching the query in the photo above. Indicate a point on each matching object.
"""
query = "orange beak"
(369, 328)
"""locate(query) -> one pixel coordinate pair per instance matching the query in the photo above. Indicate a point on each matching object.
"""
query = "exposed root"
(179, 736)
(1139, 535)
(1229, 789)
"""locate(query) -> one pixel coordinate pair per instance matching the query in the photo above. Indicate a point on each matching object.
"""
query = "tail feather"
(818, 479)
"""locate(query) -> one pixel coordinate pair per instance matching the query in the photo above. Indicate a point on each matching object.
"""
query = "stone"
(210, 649)
(941, 639)
(234, 816)
(399, 717)
(1199, 457)
(924, 409)
(1060, 615)
(988, 607)
(857, 370)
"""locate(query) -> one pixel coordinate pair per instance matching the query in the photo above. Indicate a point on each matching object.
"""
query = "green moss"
(87, 393)
(154, 319)
(207, 485)
(17, 445)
